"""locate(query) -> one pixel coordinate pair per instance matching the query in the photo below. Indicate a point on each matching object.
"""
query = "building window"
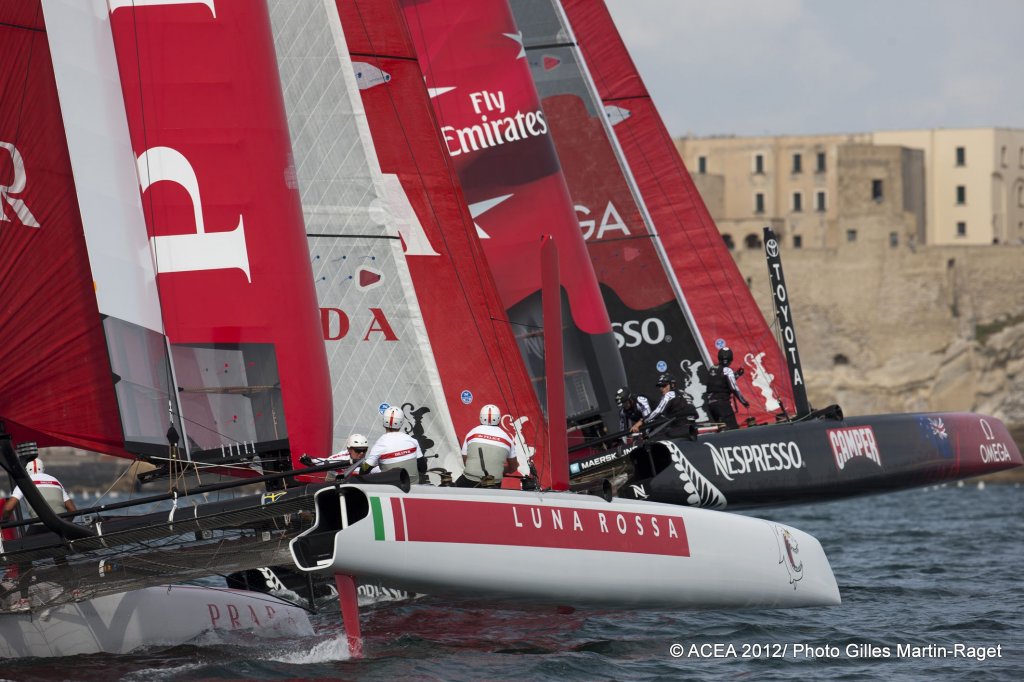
(894, 239)
(819, 201)
(961, 156)
(1002, 156)
(798, 202)
(877, 193)
(1020, 196)
(961, 195)
(759, 202)
(759, 164)
(702, 165)
(851, 235)
(752, 241)
(1020, 161)
(820, 168)
(961, 229)
(798, 241)
(727, 238)
(798, 164)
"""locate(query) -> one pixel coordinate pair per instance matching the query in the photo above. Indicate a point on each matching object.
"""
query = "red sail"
(208, 127)
(498, 139)
(474, 349)
(715, 291)
(56, 385)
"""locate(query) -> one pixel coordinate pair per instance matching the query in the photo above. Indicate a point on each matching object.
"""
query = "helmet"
(393, 418)
(35, 466)
(665, 380)
(724, 355)
(622, 396)
(357, 440)
(490, 415)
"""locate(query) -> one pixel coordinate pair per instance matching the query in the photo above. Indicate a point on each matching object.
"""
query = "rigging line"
(513, 323)
(468, 225)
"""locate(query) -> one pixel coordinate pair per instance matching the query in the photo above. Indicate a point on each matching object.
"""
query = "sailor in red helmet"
(394, 449)
(487, 452)
(54, 494)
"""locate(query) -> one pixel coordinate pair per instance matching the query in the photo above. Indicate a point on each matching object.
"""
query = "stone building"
(904, 188)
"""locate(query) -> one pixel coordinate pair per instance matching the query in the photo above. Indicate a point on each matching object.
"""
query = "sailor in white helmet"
(355, 450)
(394, 449)
(487, 452)
(49, 487)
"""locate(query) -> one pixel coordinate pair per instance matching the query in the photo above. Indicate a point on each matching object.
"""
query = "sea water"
(930, 580)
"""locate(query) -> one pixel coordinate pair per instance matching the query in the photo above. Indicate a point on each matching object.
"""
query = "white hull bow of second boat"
(562, 548)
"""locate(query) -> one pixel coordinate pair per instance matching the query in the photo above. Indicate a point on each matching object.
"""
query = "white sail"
(376, 341)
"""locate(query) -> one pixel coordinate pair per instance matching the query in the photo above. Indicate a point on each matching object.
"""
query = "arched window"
(729, 244)
(752, 241)
(840, 359)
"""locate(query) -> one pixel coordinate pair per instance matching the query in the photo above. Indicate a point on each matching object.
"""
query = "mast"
(784, 315)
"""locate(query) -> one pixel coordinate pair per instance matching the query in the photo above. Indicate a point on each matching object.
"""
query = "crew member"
(721, 387)
(632, 407)
(57, 498)
(395, 449)
(674, 405)
(54, 494)
(487, 453)
(355, 450)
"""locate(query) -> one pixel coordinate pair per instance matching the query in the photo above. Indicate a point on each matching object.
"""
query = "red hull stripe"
(527, 525)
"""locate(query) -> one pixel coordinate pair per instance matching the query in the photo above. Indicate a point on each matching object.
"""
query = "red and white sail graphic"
(56, 385)
(499, 142)
(716, 293)
(210, 138)
(475, 350)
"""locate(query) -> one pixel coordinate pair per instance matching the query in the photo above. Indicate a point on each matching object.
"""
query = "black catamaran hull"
(812, 461)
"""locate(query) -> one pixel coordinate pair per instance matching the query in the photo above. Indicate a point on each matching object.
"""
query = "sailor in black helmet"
(632, 407)
(674, 405)
(721, 388)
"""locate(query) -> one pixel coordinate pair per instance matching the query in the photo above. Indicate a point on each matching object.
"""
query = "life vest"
(718, 388)
(53, 494)
(410, 465)
(680, 408)
(493, 461)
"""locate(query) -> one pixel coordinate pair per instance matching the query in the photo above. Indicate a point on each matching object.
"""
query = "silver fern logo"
(699, 490)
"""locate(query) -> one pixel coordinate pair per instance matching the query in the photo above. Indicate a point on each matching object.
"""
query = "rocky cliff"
(895, 330)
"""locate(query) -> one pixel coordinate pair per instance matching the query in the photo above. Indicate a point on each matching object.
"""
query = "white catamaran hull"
(154, 616)
(562, 548)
